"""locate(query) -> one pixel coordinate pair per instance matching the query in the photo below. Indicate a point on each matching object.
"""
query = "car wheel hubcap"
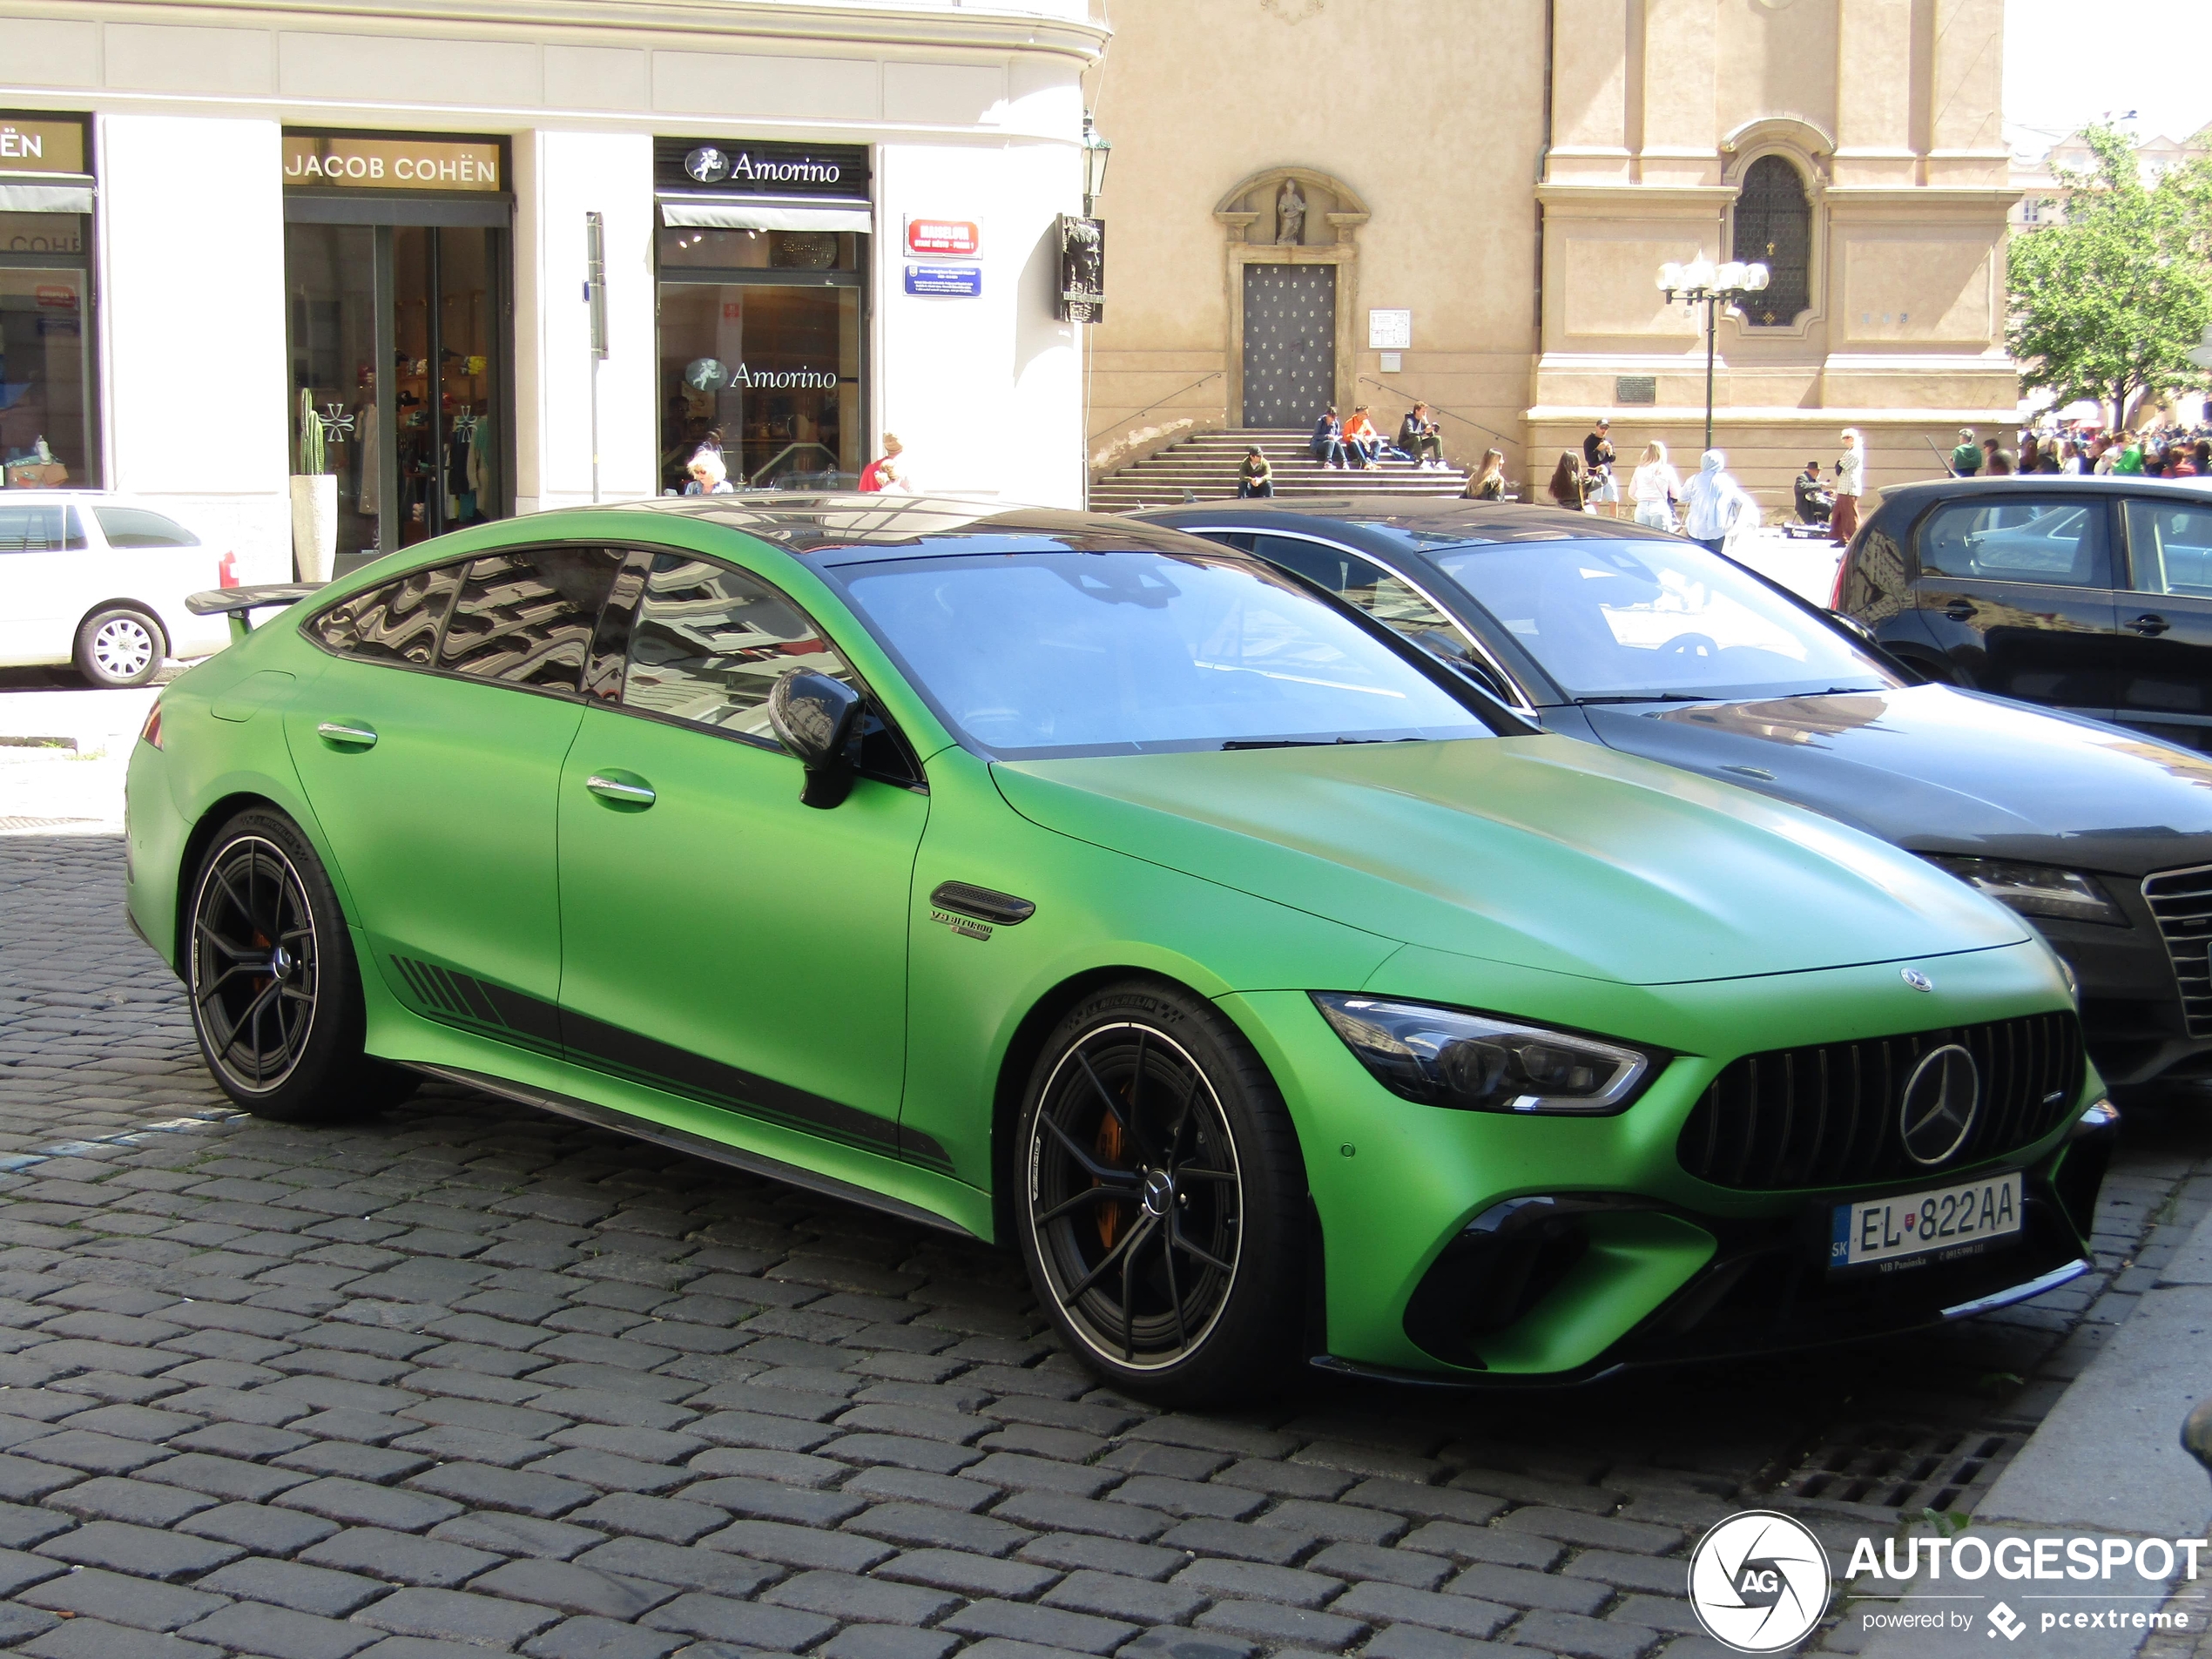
(1136, 1199)
(122, 648)
(253, 962)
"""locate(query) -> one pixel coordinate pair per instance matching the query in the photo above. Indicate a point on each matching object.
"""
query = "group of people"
(1712, 505)
(2171, 452)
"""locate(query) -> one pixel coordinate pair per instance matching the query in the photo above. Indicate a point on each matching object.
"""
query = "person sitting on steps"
(1361, 440)
(1418, 438)
(1328, 439)
(1255, 477)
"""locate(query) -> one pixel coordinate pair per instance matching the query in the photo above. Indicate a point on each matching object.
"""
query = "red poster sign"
(944, 237)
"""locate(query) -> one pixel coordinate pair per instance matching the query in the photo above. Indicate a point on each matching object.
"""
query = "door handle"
(345, 735)
(2150, 624)
(621, 790)
(1959, 610)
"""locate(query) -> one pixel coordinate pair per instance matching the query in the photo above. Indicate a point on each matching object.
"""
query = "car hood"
(1940, 770)
(1540, 852)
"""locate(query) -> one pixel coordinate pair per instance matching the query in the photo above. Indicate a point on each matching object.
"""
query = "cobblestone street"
(466, 1377)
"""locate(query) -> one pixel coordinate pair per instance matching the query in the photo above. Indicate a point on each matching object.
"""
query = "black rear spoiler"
(240, 603)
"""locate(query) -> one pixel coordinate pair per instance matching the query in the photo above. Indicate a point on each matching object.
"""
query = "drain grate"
(7, 823)
(1904, 1466)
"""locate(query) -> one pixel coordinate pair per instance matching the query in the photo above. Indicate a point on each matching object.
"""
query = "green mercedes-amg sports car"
(1076, 884)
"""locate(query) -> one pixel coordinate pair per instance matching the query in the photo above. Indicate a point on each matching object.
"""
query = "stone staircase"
(1204, 468)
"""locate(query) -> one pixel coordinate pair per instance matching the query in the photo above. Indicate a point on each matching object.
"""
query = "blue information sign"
(964, 281)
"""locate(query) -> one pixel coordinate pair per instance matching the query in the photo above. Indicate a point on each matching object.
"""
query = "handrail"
(1385, 386)
(1155, 403)
(795, 444)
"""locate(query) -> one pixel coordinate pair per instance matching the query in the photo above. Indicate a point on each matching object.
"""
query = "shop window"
(46, 378)
(1774, 226)
(698, 246)
(766, 373)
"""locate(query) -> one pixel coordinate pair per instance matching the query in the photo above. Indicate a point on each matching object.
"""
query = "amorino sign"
(740, 167)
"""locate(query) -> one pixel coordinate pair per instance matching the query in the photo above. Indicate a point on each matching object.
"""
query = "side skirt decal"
(683, 1140)
(455, 998)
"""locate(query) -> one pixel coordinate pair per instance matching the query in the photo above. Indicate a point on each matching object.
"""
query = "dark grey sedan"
(1648, 643)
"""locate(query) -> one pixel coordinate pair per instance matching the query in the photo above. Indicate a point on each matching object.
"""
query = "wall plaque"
(1082, 269)
(324, 160)
(1390, 330)
(1636, 388)
(42, 144)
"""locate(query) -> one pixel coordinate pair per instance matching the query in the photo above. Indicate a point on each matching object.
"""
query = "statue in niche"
(1289, 214)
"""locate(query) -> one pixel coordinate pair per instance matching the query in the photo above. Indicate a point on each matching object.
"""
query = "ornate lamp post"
(1702, 282)
(1097, 151)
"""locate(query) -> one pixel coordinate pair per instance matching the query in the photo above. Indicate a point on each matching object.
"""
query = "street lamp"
(1702, 282)
(1097, 151)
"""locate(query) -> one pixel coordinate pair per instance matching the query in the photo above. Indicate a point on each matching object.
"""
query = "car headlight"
(2035, 889)
(1475, 1063)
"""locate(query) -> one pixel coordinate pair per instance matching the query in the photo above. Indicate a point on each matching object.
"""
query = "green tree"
(2108, 303)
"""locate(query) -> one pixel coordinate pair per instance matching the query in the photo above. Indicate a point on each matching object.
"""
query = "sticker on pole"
(1759, 1582)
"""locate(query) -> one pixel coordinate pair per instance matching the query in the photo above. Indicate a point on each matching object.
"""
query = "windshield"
(1623, 621)
(1048, 654)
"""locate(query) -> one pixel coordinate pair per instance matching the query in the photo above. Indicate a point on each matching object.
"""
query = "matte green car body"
(1534, 876)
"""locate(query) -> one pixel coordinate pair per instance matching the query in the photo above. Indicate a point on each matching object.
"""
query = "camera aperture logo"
(1759, 1582)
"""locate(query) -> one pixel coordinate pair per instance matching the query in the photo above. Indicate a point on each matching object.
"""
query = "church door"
(1289, 343)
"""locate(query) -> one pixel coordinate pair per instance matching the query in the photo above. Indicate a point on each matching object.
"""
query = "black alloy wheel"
(276, 1000)
(255, 962)
(1161, 1198)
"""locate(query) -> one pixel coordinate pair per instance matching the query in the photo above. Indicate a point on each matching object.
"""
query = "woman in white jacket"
(1655, 487)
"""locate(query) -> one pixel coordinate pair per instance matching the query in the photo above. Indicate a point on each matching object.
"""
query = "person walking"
(1966, 460)
(1995, 464)
(882, 473)
(1255, 477)
(1418, 438)
(1489, 480)
(1850, 480)
(710, 476)
(1597, 466)
(1654, 487)
(1570, 483)
(1328, 439)
(1712, 502)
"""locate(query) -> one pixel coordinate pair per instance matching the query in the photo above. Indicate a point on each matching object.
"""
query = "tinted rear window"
(397, 623)
(137, 527)
(526, 617)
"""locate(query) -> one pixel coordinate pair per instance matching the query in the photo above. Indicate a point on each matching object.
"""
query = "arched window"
(1774, 224)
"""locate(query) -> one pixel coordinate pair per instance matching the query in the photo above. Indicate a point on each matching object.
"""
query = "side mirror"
(814, 716)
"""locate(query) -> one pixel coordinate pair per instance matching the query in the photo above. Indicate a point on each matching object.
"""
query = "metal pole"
(1712, 331)
(595, 296)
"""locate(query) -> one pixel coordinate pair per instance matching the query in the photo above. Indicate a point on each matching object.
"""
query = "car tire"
(120, 646)
(274, 987)
(1182, 1282)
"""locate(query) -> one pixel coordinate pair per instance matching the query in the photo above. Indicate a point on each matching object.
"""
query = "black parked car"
(2092, 594)
(1648, 643)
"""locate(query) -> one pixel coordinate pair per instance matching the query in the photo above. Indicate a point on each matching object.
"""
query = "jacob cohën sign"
(733, 167)
(323, 159)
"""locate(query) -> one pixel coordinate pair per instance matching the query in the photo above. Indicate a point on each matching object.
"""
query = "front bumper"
(1634, 1261)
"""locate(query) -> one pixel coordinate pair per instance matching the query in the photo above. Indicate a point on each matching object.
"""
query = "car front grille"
(2182, 899)
(1827, 1117)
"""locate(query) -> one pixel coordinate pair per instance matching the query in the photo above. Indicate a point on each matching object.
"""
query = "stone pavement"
(466, 1377)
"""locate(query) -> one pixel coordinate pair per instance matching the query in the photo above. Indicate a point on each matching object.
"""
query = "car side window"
(525, 615)
(707, 641)
(1389, 599)
(40, 527)
(2169, 549)
(136, 527)
(2056, 543)
(396, 623)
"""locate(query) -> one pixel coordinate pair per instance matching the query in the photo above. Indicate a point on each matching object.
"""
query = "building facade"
(224, 228)
(1319, 200)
